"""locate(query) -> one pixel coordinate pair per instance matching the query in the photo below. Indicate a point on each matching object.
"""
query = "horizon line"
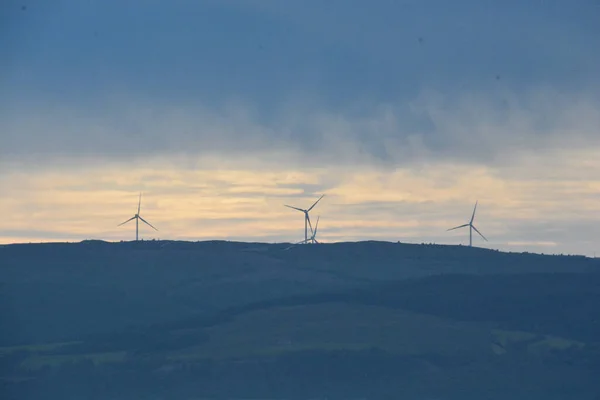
(84, 241)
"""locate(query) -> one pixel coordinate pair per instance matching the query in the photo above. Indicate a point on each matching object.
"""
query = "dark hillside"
(251, 320)
(58, 291)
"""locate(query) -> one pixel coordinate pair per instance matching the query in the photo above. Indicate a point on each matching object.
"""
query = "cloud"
(266, 51)
(317, 83)
(474, 128)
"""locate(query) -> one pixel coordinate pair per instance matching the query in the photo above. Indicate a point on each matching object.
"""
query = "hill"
(219, 319)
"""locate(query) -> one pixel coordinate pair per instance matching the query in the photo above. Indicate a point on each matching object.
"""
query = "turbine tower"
(471, 227)
(313, 238)
(306, 218)
(137, 220)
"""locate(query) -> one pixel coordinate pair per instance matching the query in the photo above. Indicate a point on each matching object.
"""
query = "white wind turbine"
(137, 218)
(306, 218)
(471, 227)
(313, 238)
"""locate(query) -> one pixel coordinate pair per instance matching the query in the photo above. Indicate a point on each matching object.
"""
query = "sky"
(403, 113)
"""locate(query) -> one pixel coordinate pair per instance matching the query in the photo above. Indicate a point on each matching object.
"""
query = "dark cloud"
(310, 83)
(333, 49)
(468, 128)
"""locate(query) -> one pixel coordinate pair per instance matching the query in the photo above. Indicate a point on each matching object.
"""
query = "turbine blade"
(313, 206)
(123, 223)
(312, 232)
(317, 242)
(316, 227)
(139, 203)
(147, 223)
(474, 209)
(295, 208)
(457, 227)
(484, 238)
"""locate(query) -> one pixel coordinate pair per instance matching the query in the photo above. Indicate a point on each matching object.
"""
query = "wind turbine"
(471, 227)
(306, 217)
(137, 220)
(313, 238)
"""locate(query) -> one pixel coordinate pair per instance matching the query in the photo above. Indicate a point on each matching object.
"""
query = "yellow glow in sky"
(532, 208)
